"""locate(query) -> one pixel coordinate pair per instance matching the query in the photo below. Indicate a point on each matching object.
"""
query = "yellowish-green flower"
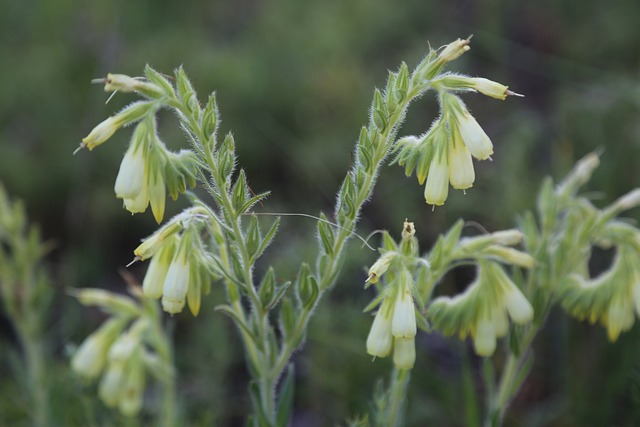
(461, 173)
(437, 188)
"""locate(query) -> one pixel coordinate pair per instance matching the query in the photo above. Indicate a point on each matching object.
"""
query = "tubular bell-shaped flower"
(481, 310)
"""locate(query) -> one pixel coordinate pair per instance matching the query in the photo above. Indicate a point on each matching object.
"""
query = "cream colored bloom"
(461, 173)
(176, 284)
(154, 279)
(110, 388)
(519, 308)
(130, 181)
(437, 188)
(484, 336)
(620, 316)
(489, 88)
(101, 133)
(404, 352)
(380, 340)
(473, 136)
(90, 358)
(380, 267)
(403, 323)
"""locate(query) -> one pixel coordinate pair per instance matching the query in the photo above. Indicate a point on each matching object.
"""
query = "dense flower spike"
(394, 325)
(481, 310)
(454, 137)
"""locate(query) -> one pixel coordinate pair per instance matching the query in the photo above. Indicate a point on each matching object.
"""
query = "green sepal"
(239, 192)
(266, 288)
(306, 287)
(226, 158)
(211, 121)
(402, 82)
(285, 400)
(180, 171)
(379, 112)
(326, 234)
(390, 92)
(287, 318)
(281, 291)
(375, 302)
(347, 198)
(388, 244)
(186, 93)
(253, 237)
(159, 80)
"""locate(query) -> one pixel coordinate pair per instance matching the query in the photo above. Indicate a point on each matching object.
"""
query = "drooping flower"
(437, 188)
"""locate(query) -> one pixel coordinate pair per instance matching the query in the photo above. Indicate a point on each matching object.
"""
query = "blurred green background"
(294, 81)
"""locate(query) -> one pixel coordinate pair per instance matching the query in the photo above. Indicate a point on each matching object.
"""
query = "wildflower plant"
(217, 242)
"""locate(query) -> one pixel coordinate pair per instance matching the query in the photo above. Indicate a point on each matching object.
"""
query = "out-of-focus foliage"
(293, 81)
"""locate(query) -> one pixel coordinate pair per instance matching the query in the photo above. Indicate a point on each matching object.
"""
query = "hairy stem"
(397, 397)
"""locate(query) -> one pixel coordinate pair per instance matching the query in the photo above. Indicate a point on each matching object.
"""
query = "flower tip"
(133, 261)
(82, 145)
(511, 93)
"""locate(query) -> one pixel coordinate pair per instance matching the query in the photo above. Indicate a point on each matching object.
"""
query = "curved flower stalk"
(125, 350)
(443, 155)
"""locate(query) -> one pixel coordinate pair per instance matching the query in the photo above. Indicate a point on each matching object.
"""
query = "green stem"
(510, 374)
(34, 352)
(397, 397)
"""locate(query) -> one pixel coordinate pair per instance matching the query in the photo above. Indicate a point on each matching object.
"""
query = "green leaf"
(226, 158)
(239, 192)
(287, 320)
(327, 237)
(266, 289)
(211, 120)
(281, 291)
(253, 237)
(229, 311)
(159, 80)
(266, 240)
(252, 201)
(285, 402)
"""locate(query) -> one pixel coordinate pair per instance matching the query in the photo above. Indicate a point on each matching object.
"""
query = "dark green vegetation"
(294, 81)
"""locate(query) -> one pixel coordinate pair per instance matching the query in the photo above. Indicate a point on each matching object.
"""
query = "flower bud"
(380, 267)
(131, 176)
(453, 50)
(512, 256)
(152, 244)
(109, 301)
(490, 88)
(101, 133)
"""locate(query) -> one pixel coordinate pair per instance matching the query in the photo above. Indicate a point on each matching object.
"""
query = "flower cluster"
(481, 310)
(394, 325)
(613, 297)
(443, 155)
(123, 350)
(179, 271)
(148, 168)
